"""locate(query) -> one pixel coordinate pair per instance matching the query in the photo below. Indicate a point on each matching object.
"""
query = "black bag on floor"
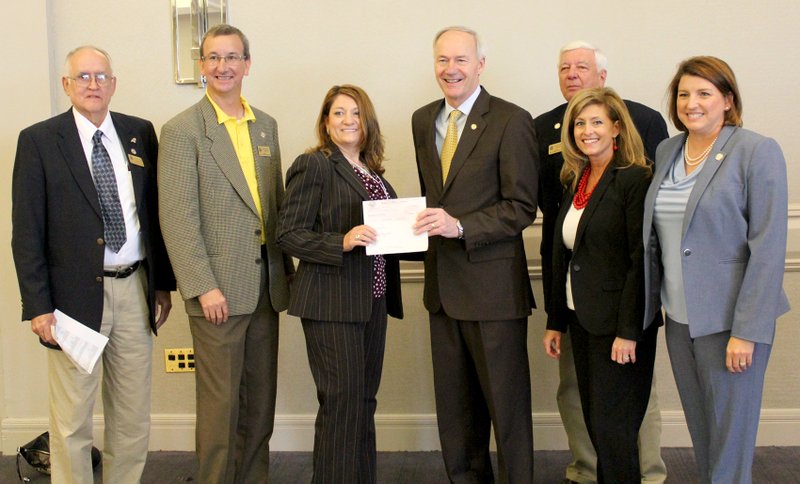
(37, 454)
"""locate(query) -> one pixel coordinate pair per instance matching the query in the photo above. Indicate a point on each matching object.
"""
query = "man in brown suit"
(478, 171)
(219, 210)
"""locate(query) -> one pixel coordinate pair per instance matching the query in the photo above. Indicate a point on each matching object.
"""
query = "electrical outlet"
(179, 360)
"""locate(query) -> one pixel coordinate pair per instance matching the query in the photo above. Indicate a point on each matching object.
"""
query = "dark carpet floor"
(778, 465)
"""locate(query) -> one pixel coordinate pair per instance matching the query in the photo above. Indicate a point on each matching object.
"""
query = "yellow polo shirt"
(239, 132)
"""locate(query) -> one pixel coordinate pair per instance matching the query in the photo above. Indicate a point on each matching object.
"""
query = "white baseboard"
(406, 432)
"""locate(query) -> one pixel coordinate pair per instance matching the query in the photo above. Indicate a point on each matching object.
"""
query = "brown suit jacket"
(491, 188)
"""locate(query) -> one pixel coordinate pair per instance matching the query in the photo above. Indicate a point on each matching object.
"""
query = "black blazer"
(491, 189)
(57, 224)
(651, 128)
(607, 267)
(322, 203)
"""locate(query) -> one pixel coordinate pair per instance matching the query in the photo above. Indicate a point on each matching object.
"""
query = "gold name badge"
(135, 160)
(554, 148)
(264, 151)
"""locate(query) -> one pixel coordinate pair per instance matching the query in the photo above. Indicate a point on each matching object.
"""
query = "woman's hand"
(552, 343)
(623, 351)
(739, 354)
(360, 235)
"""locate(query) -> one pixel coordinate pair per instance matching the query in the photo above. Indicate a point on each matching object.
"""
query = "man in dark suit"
(478, 170)
(582, 66)
(86, 241)
(219, 203)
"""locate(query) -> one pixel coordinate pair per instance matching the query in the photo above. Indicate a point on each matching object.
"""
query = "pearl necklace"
(699, 159)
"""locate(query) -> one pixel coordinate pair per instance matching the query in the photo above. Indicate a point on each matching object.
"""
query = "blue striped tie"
(106, 184)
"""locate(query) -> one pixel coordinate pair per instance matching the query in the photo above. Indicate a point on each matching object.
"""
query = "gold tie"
(450, 143)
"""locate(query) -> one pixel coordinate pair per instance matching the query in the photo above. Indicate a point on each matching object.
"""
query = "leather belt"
(124, 272)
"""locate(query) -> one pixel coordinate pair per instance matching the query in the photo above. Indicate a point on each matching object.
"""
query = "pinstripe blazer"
(733, 244)
(209, 219)
(323, 202)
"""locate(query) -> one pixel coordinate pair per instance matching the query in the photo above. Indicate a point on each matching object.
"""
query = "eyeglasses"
(215, 59)
(84, 79)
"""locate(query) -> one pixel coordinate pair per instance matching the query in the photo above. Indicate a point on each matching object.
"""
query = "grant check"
(392, 220)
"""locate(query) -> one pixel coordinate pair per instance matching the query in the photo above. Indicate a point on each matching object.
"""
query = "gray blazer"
(209, 219)
(733, 244)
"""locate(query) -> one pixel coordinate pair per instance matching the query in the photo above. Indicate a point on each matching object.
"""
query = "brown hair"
(220, 30)
(717, 72)
(371, 148)
(630, 148)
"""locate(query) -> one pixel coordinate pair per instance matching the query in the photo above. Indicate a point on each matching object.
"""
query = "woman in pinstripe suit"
(341, 295)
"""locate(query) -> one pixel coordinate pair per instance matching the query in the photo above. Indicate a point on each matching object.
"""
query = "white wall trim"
(401, 432)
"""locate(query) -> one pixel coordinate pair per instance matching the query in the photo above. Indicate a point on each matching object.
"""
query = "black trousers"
(346, 360)
(614, 398)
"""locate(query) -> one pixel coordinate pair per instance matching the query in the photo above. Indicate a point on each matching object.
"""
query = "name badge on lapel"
(135, 160)
(554, 148)
(264, 151)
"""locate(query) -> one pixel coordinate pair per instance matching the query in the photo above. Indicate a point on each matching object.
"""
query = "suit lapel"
(432, 157)
(662, 169)
(131, 145)
(708, 170)
(72, 151)
(474, 127)
(224, 155)
(343, 168)
(594, 202)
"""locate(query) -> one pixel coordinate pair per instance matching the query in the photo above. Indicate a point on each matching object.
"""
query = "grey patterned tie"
(106, 184)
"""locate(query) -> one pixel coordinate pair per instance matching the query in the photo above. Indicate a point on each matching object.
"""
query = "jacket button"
(576, 267)
(687, 252)
(100, 241)
(258, 231)
(98, 279)
(258, 261)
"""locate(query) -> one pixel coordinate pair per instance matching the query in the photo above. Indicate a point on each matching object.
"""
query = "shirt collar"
(86, 128)
(222, 117)
(465, 107)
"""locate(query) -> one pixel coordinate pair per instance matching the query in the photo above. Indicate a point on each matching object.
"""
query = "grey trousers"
(722, 409)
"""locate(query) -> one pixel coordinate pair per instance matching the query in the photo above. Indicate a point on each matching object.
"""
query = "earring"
(614, 139)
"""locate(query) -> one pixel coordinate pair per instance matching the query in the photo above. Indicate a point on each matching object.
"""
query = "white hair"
(599, 57)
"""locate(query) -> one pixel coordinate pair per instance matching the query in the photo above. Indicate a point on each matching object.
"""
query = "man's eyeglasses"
(215, 59)
(83, 80)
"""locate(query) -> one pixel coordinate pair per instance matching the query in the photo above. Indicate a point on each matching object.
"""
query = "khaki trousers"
(126, 375)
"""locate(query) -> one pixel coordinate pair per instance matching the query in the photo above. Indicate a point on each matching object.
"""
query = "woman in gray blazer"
(715, 226)
(341, 294)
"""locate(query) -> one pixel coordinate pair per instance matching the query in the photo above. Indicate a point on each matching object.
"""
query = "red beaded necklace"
(581, 196)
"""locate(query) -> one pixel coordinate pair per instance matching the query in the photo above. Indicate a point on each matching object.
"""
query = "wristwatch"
(460, 229)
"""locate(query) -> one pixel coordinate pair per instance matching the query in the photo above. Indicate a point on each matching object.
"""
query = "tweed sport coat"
(209, 218)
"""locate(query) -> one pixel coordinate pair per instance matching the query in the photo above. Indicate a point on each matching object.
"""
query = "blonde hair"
(630, 148)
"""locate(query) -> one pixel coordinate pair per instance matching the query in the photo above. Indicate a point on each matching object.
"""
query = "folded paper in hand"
(80, 343)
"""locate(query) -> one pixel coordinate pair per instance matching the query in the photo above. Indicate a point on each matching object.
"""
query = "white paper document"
(393, 221)
(80, 343)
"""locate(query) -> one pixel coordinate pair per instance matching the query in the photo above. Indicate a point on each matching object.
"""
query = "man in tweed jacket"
(221, 189)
